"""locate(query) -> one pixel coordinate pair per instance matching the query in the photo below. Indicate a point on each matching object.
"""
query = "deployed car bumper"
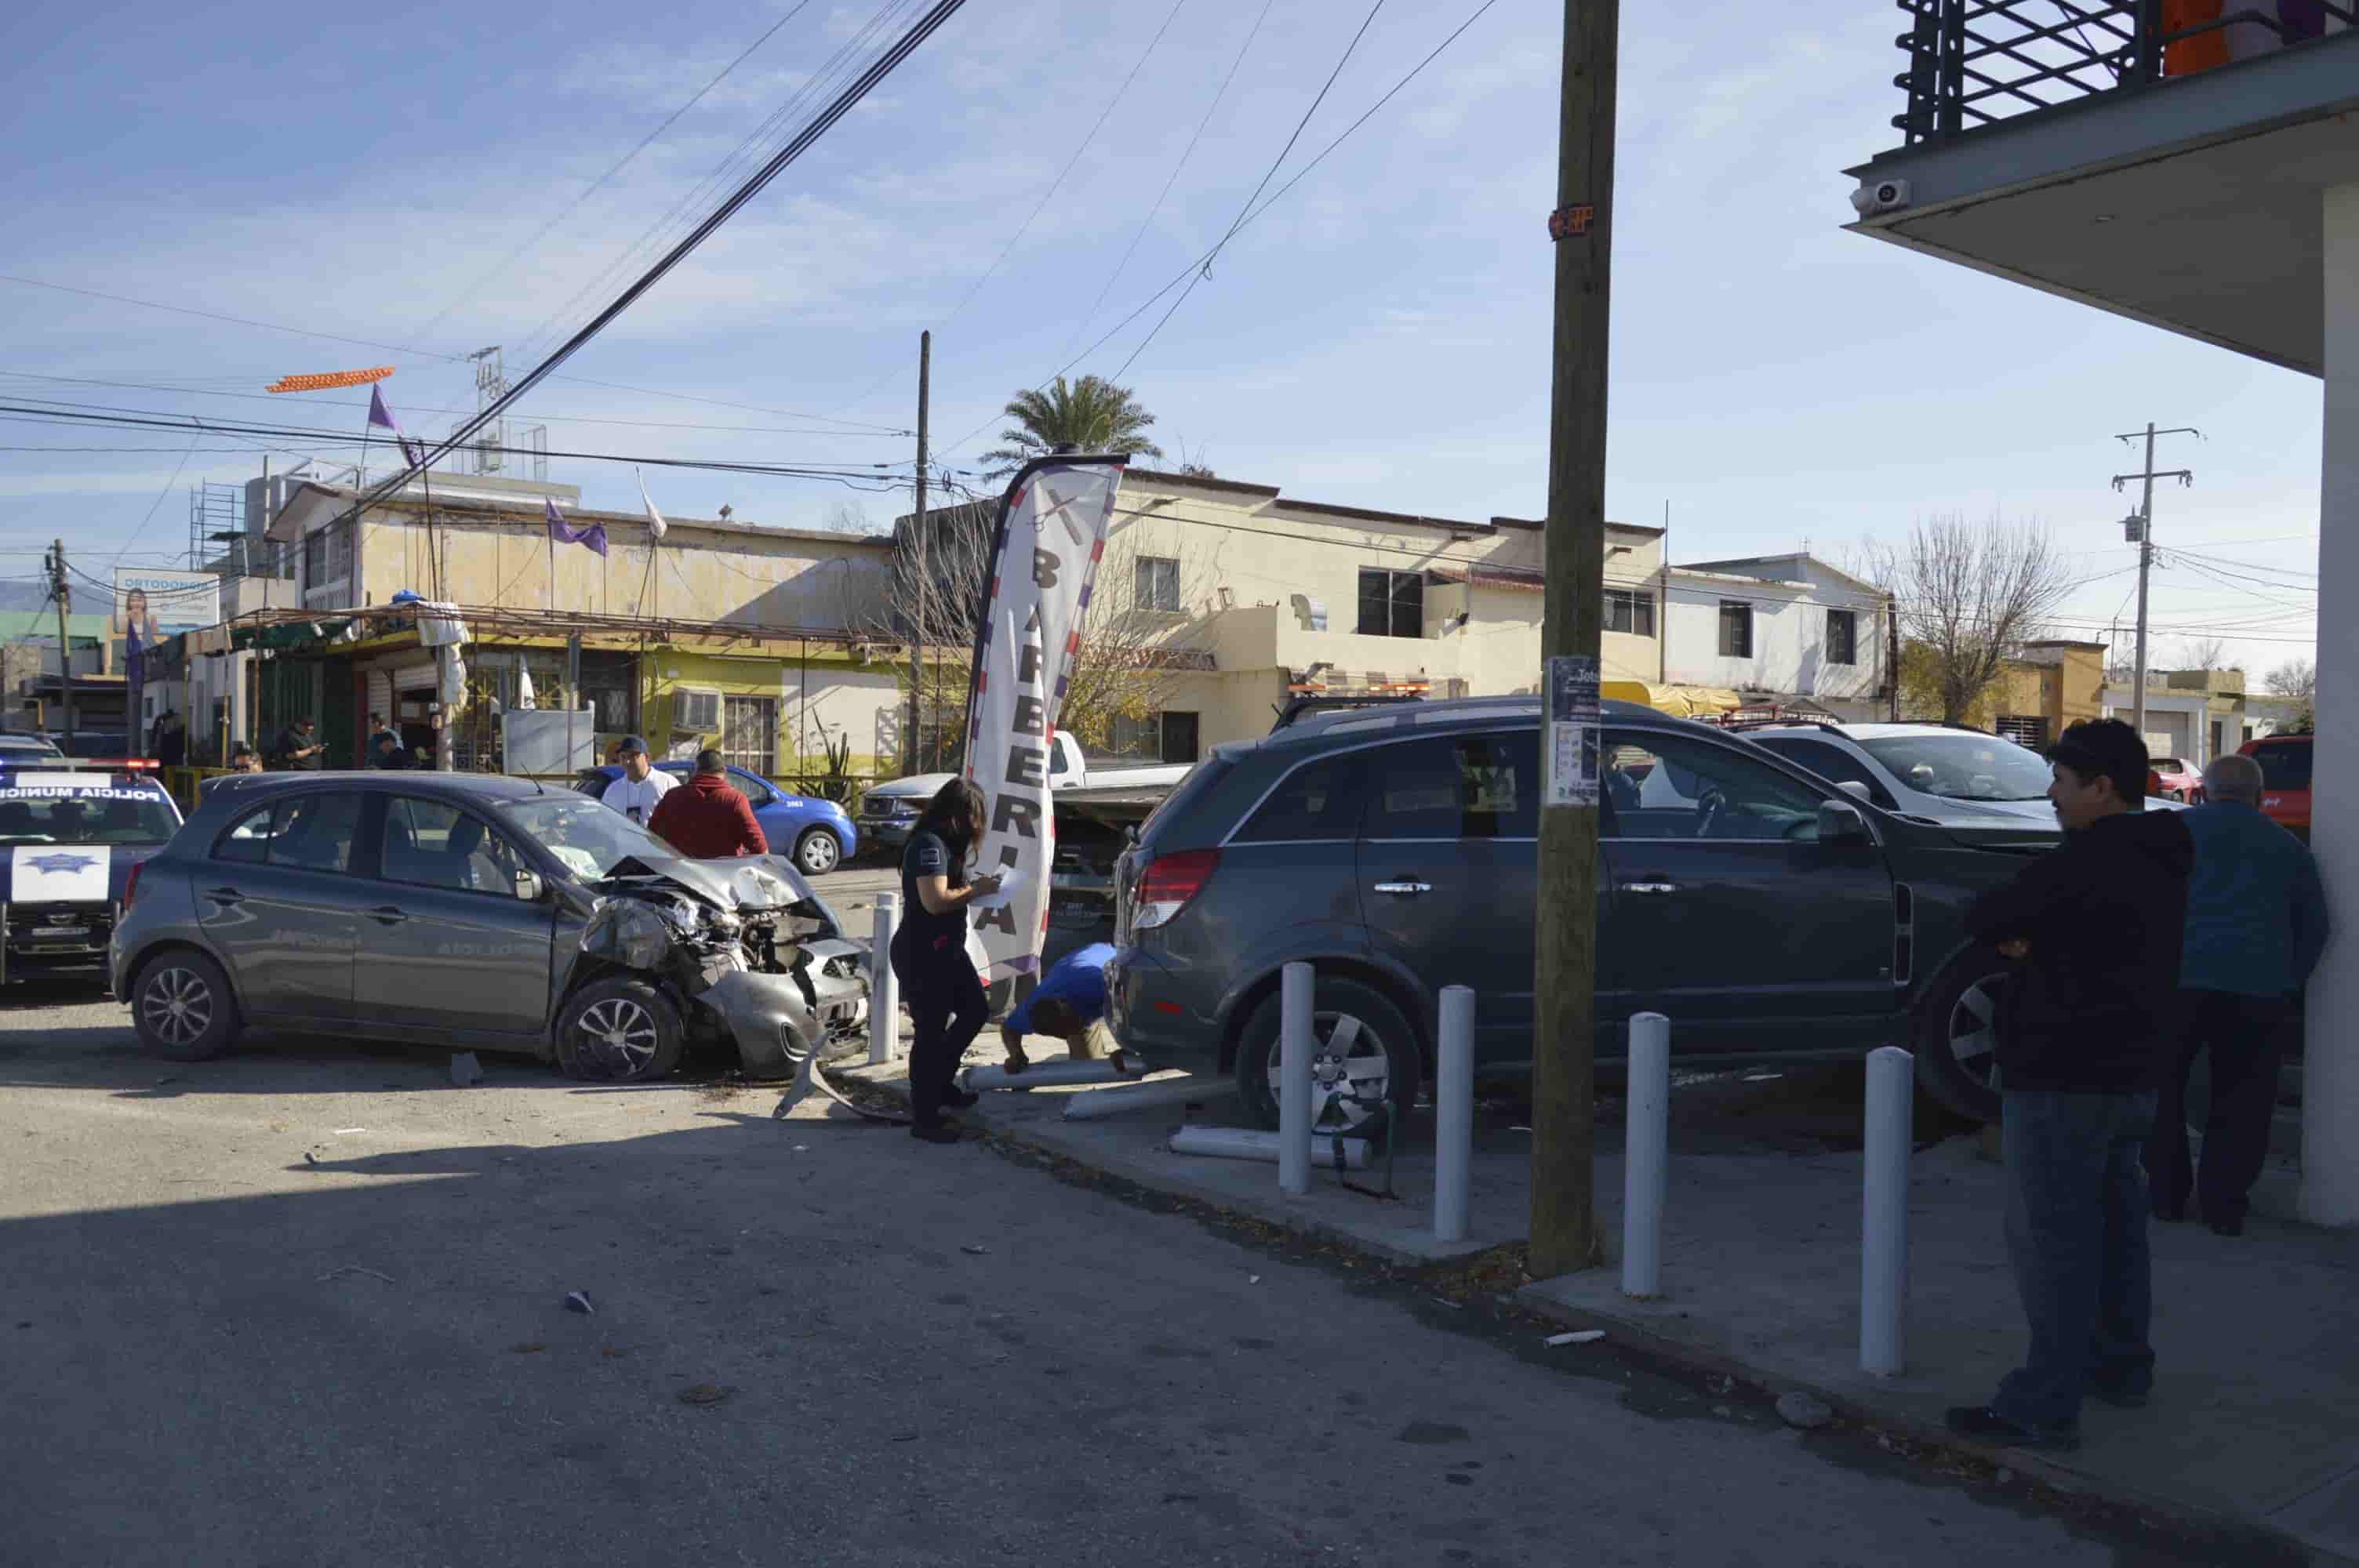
(777, 1027)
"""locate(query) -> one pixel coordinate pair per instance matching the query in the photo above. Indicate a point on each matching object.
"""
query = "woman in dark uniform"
(939, 985)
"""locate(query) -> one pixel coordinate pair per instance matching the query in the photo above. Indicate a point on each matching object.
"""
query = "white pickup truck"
(887, 812)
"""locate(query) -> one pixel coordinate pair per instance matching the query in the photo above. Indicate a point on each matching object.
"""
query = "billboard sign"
(160, 603)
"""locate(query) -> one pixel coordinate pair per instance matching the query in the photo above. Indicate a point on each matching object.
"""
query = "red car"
(2174, 779)
(2285, 780)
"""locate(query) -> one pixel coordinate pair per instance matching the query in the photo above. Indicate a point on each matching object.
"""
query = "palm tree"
(1092, 415)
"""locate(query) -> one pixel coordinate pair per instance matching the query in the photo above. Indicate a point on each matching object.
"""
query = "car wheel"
(1363, 1049)
(1957, 1035)
(817, 852)
(619, 1031)
(181, 1006)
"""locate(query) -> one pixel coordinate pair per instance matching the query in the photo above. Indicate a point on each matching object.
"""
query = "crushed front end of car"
(750, 953)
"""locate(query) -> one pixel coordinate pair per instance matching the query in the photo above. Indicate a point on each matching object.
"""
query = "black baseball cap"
(2104, 746)
(631, 745)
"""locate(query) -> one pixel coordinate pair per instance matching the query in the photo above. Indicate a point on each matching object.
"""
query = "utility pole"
(1563, 1219)
(62, 591)
(918, 549)
(2143, 519)
(1892, 656)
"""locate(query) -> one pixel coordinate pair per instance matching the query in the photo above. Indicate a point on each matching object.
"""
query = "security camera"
(1879, 196)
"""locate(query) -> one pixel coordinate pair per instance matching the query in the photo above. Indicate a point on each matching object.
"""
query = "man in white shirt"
(635, 793)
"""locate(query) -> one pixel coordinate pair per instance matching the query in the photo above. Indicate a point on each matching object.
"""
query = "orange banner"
(327, 379)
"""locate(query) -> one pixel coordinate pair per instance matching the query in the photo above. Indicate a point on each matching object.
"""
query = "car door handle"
(225, 897)
(1648, 890)
(386, 915)
(1409, 889)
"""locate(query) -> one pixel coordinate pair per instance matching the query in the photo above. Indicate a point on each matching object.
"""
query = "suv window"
(1318, 800)
(2285, 766)
(1672, 786)
(1829, 761)
(308, 832)
(430, 844)
(1456, 786)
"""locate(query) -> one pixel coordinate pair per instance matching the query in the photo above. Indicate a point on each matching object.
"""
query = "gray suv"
(1770, 915)
(462, 910)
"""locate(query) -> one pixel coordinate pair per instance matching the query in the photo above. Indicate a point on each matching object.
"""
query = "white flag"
(1052, 529)
(656, 524)
(524, 691)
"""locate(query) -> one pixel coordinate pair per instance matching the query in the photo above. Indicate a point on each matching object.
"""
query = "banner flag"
(382, 417)
(327, 381)
(1052, 529)
(559, 530)
(656, 524)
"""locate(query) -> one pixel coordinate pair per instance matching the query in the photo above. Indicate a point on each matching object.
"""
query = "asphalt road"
(305, 1305)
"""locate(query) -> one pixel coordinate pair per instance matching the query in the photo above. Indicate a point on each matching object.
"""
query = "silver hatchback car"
(476, 912)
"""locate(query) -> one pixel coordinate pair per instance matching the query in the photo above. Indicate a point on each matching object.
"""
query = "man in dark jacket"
(2084, 1034)
(706, 819)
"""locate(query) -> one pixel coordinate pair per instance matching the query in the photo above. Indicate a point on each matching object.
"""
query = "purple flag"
(382, 417)
(593, 536)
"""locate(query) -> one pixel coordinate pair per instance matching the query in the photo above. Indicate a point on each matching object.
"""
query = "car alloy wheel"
(620, 1034)
(818, 852)
(1972, 1033)
(178, 1006)
(1350, 1071)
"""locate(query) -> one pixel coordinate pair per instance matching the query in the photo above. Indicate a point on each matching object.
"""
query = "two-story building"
(2200, 175)
(1788, 629)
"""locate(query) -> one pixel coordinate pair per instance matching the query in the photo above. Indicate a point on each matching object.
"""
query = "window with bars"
(328, 554)
(1842, 637)
(749, 734)
(1629, 610)
(695, 712)
(1155, 582)
(1392, 604)
(1735, 629)
(2024, 728)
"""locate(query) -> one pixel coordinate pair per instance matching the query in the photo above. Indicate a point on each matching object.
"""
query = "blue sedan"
(816, 832)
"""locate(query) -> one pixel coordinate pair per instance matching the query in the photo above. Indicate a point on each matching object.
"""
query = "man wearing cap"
(635, 794)
(2086, 1030)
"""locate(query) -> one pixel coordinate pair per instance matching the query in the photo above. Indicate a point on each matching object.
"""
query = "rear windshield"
(1199, 782)
(2283, 767)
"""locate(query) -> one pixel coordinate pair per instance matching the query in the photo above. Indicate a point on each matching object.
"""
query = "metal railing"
(1972, 63)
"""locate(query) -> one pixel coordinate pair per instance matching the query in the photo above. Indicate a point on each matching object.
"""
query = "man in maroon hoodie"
(705, 819)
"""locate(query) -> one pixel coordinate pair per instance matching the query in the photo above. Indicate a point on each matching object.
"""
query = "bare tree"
(2203, 653)
(2296, 678)
(1140, 636)
(1970, 595)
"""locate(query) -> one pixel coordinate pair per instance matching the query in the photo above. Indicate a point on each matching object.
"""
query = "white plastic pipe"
(1454, 1115)
(1058, 1072)
(1883, 1211)
(884, 990)
(1294, 1046)
(1645, 1158)
(1098, 1104)
(1250, 1143)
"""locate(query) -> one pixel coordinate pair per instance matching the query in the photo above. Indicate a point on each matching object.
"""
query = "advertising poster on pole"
(1572, 759)
(1051, 532)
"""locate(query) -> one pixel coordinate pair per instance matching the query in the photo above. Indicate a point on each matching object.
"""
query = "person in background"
(938, 986)
(2094, 926)
(708, 819)
(641, 788)
(388, 752)
(297, 748)
(2255, 926)
(172, 740)
(1068, 1003)
(243, 759)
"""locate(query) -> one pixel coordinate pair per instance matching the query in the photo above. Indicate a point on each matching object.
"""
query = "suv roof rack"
(1296, 706)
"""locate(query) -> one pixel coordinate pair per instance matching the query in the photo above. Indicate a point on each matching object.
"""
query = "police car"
(71, 838)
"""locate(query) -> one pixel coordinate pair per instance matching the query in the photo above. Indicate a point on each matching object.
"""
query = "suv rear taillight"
(131, 886)
(1166, 885)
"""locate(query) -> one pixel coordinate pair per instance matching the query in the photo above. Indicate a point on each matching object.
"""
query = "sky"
(430, 178)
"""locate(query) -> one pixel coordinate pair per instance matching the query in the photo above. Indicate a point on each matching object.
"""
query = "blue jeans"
(2076, 1218)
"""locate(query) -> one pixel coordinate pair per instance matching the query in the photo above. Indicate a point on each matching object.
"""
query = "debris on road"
(705, 1394)
(579, 1301)
(348, 1131)
(310, 1158)
(356, 1268)
(1578, 1337)
(466, 1071)
(526, 1347)
(1800, 1409)
(975, 1251)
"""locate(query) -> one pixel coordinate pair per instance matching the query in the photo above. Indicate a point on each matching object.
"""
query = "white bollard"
(1294, 1048)
(883, 991)
(1883, 1211)
(1645, 1158)
(1099, 1104)
(1454, 1115)
(1250, 1143)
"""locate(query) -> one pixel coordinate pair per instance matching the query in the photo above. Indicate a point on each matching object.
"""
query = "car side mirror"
(1855, 789)
(528, 886)
(1841, 823)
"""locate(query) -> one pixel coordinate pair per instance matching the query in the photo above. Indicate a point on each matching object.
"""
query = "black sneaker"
(1986, 1423)
(934, 1132)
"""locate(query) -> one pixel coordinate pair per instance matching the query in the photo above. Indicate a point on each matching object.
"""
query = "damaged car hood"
(746, 883)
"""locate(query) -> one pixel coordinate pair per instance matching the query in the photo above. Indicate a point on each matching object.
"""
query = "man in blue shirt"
(2255, 926)
(1069, 998)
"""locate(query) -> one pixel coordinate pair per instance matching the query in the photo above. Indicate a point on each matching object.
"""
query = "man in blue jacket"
(2256, 926)
(1069, 998)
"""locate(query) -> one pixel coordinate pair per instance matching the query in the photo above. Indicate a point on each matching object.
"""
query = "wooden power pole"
(1564, 1218)
(917, 608)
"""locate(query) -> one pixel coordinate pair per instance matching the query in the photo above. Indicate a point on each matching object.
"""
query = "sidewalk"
(2258, 1376)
